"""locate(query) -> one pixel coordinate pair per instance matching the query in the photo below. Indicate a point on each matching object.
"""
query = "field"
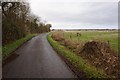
(111, 36)
(97, 48)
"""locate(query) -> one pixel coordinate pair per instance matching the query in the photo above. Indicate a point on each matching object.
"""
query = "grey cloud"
(95, 13)
(99, 13)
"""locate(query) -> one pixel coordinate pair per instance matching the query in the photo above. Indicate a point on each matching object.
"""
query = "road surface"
(37, 59)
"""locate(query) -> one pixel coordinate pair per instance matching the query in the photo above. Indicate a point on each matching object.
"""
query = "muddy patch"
(10, 58)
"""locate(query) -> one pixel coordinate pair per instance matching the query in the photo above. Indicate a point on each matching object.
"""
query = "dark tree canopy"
(18, 21)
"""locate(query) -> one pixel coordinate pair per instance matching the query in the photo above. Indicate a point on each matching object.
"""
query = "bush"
(11, 32)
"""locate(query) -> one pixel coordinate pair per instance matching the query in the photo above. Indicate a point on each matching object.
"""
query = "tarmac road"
(37, 59)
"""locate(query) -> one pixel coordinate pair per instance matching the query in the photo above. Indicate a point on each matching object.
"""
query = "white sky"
(76, 14)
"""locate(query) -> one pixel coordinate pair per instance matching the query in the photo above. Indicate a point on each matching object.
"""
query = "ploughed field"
(99, 48)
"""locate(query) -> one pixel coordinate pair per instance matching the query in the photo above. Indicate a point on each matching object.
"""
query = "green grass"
(9, 48)
(77, 61)
(111, 36)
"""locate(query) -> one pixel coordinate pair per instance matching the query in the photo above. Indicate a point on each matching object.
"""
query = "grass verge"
(9, 48)
(78, 62)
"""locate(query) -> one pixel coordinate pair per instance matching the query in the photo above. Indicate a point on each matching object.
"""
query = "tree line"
(18, 21)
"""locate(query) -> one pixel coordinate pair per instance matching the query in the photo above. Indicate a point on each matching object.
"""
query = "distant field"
(111, 36)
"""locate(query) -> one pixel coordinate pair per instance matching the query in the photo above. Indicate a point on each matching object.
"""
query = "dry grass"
(102, 56)
(57, 36)
(74, 46)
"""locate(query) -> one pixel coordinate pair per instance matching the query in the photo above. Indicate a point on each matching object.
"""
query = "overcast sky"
(74, 14)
